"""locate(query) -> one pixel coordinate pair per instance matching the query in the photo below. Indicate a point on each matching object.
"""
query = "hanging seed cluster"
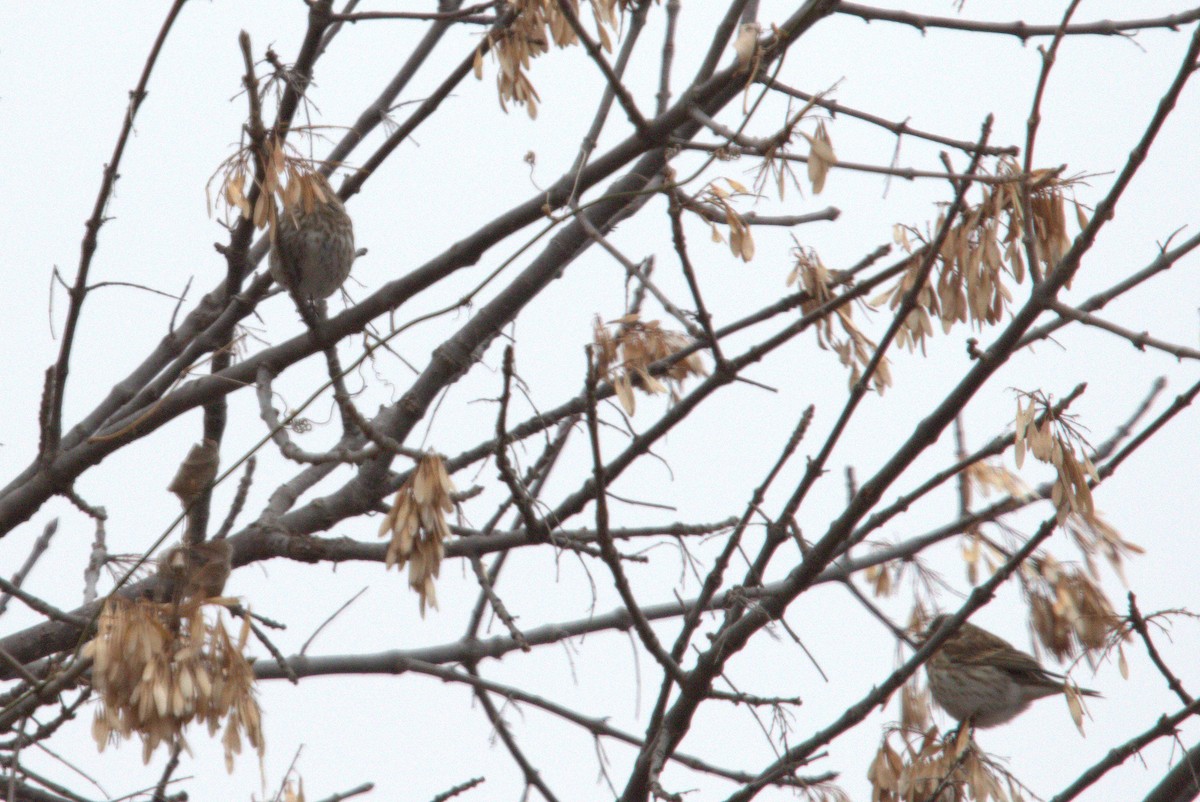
(624, 357)
(417, 526)
(991, 240)
(854, 349)
(1070, 613)
(286, 177)
(1054, 442)
(155, 673)
(953, 769)
(535, 24)
(741, 240)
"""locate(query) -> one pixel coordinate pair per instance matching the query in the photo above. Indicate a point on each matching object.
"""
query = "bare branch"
(1019, 29)
(39, 548)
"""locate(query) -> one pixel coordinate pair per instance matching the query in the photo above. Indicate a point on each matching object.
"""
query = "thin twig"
(39, 606)
(239, 500)
(532, 776)
(506, 618)
(327, 621)
(1139, 625)
(608, 551)
(1017, 28)
(900, 129)
(668, 58)
(534, 524)
(458, 789)
(160, 791)
(614, 81)
(52, 430)
(39, 547)
(355, 791)
(674, 211)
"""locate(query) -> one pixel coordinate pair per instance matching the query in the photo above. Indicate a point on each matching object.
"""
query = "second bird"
(978, 676)
(314, 241)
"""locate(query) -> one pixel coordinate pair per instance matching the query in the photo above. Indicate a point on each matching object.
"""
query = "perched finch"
(196, 472)
(313, 247)
(197, 571)
(978, 676)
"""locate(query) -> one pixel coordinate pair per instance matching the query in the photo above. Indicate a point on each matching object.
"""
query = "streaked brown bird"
(193, 572)
(978, 676)
(314, 241)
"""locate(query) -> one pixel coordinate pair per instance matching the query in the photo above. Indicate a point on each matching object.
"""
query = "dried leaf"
(1076, 707)
(625, 394)
(235, 195)
(605, 41)
(1081, 216)
(260, 209)
(822, 147)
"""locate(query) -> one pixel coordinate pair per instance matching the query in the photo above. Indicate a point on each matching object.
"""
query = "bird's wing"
(975, 645)
(981, 647)
(1018, 663)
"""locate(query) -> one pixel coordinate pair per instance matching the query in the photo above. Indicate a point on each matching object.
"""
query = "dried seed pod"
(418, 528)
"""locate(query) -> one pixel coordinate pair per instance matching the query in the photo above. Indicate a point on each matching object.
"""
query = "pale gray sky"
(65, 72)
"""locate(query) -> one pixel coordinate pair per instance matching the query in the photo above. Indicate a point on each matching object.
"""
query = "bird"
(745, 44)
(196, 472)
(313, 241)
(194, 571)
(980, 677)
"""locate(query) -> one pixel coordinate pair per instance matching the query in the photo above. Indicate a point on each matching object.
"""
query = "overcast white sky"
(65, 72)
